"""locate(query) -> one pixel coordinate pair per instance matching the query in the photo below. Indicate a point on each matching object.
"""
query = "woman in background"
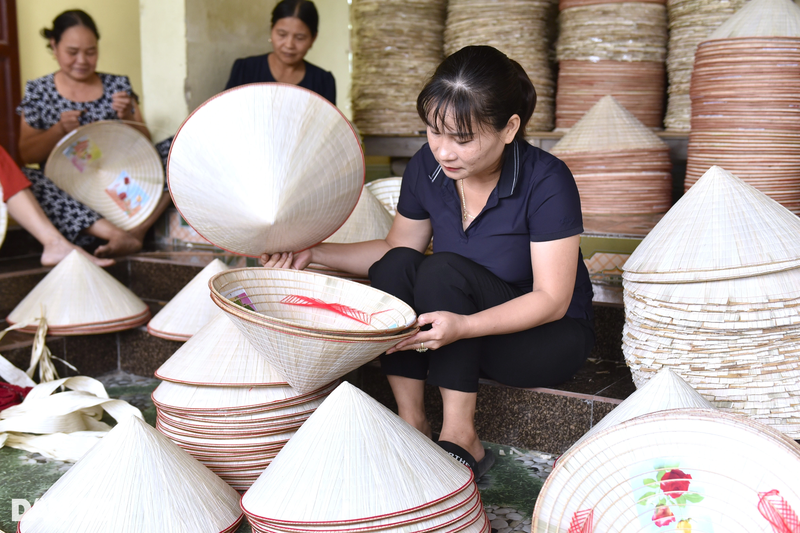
(294, 30)
(57, 104)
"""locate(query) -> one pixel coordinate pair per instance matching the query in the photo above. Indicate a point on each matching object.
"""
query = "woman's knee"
(395, 272)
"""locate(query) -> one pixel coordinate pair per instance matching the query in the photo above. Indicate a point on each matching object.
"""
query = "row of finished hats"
(337, 460)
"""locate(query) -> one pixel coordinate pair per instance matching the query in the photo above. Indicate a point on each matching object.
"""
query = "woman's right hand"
(297, 261)
(70, 120)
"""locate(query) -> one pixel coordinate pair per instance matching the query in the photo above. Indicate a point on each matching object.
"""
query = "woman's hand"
(297, 261)
(70, 120)
(446, 328)
(122, 103)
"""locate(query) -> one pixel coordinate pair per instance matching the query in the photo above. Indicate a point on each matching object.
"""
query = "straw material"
(690, 22)
(112, 168)
(189, 310)
(762, 18)
(285, 174)
(78, 297)
(149, 484)
(218, 356)
(387, 191)
(721, 228)
(368, 221)
(393, 40)
(523, 30)
(680, 470)
(338, 460)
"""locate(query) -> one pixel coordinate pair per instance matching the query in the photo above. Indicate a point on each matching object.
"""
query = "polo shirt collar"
(509, 175)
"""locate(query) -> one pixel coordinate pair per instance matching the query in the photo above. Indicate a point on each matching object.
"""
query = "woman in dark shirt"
(294, 30)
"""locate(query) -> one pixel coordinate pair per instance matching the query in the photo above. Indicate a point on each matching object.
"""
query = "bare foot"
(58, 249)
(121, 244)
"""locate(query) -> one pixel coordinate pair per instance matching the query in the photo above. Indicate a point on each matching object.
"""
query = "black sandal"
(479, 468)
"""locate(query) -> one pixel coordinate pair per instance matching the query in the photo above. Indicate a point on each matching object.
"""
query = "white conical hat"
(190, 309)
(369, 221)
(147, 484)
(708, 470)
(666, 390)
(78, 292)
(354, 459)
(721, 228)
(219, 355)
(761, 18)
(279, 163)
(387, 191)
(608, 126)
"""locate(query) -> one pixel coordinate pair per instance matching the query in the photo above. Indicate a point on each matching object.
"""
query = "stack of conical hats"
(713, 292)
(678, 470)
(189, 310)
(78, 297)
(312, 328)
(520, 29)
(368, 221)
(609, 150)
(387, 191)
(745, 100)
(615, 48)
(226, 406)
(365, 469)
(135, 480)
(690, 23)
(393, 40)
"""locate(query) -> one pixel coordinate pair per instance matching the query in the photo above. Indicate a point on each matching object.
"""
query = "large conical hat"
(387, 191)
(761, 18)
(678, 470)
(79, 293)
(112, 168)
(666, 390)
(369, 221)
(607, 127)
(279, 163)
(190, 309)
(722, 228)
(219, 355)
(136, 480)
(354, 459)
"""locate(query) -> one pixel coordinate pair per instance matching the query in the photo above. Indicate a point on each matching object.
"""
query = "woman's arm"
(35, 145)
(554, 270)
(128, 109)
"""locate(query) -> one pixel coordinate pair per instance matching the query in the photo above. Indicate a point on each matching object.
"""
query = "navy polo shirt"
(535, 200)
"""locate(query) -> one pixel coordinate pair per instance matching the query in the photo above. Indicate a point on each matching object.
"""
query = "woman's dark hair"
(481, 84)
(66, 20)
(305, 10)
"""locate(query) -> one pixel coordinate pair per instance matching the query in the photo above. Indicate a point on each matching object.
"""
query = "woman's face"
(76, 52)
(463, 156)
(291, 40)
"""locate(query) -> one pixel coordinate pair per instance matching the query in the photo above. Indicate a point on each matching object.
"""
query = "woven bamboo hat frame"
(285, 175)
(149, 484)
(190, 309)
(709, 470)
(387, 191)
(112, 168)
(422, 484)
(368, 221)
(761, 18)
(219, 355)
(78, 297)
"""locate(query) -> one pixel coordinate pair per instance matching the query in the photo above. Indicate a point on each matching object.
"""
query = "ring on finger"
(422, 348)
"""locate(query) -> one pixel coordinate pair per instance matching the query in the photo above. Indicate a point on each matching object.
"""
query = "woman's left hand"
(122, 103)
(446, 327)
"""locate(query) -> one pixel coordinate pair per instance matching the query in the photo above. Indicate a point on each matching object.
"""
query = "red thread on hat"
(778, 512)
(349, 312)
(582, 521)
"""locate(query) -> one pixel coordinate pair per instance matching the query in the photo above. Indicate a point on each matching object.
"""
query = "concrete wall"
(331, 51)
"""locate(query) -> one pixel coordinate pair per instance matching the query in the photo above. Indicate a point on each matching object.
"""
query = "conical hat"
(666, 390)
(761, 18)
(279, 163)
(190, 309)
(708, 470)
(78, 292)
(354, 459)
(721, 228)
(369, 221)
(147, 484)
(387, 191)
(219, 355)
(608, 126)
(112, 168)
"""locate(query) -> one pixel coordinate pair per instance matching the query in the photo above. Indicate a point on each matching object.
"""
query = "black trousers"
(539, 357)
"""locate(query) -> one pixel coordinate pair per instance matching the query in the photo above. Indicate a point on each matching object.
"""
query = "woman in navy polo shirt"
(505, 295)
